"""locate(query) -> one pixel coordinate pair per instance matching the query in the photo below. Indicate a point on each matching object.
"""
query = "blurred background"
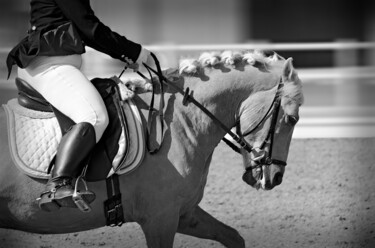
(332, 43)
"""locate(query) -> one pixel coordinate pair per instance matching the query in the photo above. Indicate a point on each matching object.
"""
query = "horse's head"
(269, 131)
(268, 96)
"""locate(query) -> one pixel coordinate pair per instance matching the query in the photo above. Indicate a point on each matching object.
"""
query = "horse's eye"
(292, 120)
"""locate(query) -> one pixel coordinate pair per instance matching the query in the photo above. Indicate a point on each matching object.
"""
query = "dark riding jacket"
(64, 27)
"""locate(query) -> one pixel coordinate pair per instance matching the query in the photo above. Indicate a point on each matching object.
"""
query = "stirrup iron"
(77, 196)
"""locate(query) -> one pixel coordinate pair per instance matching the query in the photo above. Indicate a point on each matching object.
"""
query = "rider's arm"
(97, 35)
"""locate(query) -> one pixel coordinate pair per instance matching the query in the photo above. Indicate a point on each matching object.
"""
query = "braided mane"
(189, 67)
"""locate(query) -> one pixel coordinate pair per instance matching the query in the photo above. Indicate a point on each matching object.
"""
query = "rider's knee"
(100, 125)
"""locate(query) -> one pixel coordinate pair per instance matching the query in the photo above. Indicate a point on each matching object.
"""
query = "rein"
(188, 98)
(239, 138)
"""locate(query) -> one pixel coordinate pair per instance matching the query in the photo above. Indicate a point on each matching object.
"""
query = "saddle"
(35, 128)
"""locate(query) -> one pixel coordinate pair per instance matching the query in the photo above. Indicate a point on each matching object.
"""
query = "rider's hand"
(143, 57)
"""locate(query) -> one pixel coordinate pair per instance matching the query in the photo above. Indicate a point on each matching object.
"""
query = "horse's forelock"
(292, 92)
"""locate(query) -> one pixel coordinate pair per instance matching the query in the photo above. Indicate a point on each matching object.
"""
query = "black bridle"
(263, 157)
(239, 138)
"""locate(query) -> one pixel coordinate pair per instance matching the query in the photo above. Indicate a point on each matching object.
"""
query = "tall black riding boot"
(71, 158)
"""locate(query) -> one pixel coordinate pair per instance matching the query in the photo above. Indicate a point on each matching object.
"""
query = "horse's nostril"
(278, 178)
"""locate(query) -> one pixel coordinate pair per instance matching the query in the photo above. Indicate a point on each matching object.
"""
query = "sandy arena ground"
(327, 199)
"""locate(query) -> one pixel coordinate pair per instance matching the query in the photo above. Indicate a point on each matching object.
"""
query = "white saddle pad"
(34, 137)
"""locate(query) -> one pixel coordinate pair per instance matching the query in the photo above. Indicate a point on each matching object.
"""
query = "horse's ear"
(288, 70)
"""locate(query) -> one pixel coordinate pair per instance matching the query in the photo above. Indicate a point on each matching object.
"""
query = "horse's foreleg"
(160, 231)
(199, 223)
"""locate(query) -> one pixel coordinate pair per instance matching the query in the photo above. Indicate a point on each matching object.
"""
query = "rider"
(49, 59)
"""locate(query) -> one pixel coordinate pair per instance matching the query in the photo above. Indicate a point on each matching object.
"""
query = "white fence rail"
(341, 121)
(308, 46)
(268, 46)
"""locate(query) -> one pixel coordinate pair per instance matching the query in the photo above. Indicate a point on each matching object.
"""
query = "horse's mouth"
(253, 177)
(258, 185)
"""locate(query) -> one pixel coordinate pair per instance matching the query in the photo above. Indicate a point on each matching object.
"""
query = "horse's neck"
(192, 135)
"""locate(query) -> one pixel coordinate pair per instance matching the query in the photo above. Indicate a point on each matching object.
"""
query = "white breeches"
(59, 80)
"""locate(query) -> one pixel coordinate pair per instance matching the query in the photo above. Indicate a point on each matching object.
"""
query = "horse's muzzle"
(267, 176)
